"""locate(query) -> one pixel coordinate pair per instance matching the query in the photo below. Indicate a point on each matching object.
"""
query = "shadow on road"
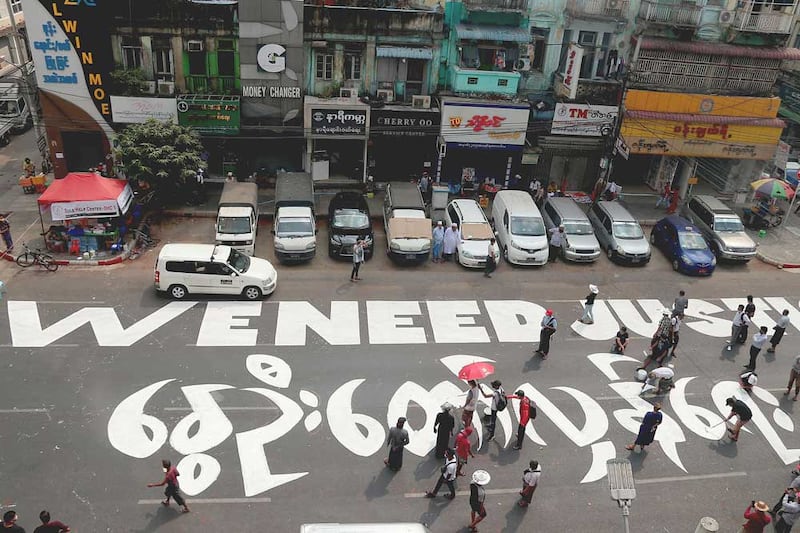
(159, 518)
(514, 518)
(427, 468)
(378, 485)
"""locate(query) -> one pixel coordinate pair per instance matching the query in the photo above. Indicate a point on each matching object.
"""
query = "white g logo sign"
(270, 58)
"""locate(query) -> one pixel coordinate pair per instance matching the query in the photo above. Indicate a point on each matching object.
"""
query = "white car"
(473, 247)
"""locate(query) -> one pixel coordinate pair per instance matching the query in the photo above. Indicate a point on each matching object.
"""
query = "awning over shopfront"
(706, 119)
(470, 32)
(404, 52)
(719, 49)
(86, 195)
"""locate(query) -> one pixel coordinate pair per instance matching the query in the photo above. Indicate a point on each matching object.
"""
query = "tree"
(163, 154)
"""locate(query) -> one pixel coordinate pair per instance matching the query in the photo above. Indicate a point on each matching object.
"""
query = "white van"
(183, 269)
(520, 228)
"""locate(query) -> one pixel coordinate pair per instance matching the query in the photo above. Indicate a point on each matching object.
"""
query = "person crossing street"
(549, 327)
(448, 476)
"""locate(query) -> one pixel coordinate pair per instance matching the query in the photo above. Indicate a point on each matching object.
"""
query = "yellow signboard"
(692, 139)
(702, 104)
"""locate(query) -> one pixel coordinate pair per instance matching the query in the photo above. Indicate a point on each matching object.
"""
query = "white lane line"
(272, 345)
(42, 347)
(255, 408)
(462, 492)
(211, 500)
(23, 411)
(689, 478)
(90, 302)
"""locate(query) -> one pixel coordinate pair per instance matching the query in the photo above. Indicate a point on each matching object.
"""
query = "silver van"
(398, 527)
(619, 233)
(580, 245)
(520, 228)
(721, 227)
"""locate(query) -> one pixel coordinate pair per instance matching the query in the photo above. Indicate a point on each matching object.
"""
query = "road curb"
(83, 262)
(775, 262)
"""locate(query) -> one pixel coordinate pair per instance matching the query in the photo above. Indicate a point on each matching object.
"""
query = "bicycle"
(36, 257)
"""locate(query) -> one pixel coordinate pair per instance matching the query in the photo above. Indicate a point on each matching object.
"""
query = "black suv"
(348, 220)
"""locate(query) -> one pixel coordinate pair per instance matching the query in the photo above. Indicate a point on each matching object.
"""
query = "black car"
(348, 220)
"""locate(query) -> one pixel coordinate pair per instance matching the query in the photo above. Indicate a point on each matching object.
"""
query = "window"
(538, 47)
(502, 82)
(197, 63)
(603, 56)
(472, 81)
(352, 66)
(225, 63)
(587, 40)
(163, 63)
(16, 6)
(324, 66)
(131, 53)
(453, 215)
(505, 219)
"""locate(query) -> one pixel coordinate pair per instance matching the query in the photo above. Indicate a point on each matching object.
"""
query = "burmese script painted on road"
(379, 322)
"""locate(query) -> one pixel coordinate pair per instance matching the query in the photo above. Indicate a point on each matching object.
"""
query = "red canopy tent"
(86, 195)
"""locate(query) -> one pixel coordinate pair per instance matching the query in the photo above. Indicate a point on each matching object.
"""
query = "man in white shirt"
(759, 340)
(748, 380)
(736, 325)
(556, 242)
(448, 476)
(780, 329)
(530, 480)
(654, 378)
(491, 259)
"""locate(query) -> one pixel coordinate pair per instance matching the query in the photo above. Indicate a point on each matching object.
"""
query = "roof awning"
(719, 49)
(404, 51)
(492, 33)
(706, 119)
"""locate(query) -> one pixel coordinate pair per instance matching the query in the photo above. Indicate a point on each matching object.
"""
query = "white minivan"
(183, 269)
(520, 228)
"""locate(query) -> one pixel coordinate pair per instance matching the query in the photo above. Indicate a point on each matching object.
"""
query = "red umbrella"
(476, 371)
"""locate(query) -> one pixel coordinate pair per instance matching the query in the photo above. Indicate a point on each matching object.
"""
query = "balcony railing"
(320, 20)
(496, 5)
(597, 91)
(759, 18)
(671, 14)
(602, 9)
(205, 85)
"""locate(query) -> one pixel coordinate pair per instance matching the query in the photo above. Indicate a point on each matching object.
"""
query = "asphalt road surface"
(278, 411)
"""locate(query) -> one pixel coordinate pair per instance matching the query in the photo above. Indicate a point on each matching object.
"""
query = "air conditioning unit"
(166, 88)
(421, 102)
(523, 64)
(613, 5)
(386, 95)
(347, 93)
(150, 87)
(194, 46)
(725, 17)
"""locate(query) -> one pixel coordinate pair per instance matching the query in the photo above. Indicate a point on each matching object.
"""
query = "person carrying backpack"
(499, 403)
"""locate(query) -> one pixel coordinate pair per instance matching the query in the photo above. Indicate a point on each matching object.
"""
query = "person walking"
(736, 325)
(173, 488)
(680, 304)
(556, 243)
(747, 319)
(491, 259)
(647, 430)
(675, 326)
(499, 403)
(794, 378)
(28, 167)
(463, 449)
(527, 412)
(5, 231)
(470, 403)
(398, 438)
(789, 512)
(443, 427)
(620, 341)
(758, 342)
(530, 480)
(742, 413)
(451, 238)
(358, 258)
(549, 326)
(780, 329)
(448, 475)
(424, 183)
(658, 352)
(477, 498)
(588, 317)
(50, 526)
(438, 241)
(757, 517)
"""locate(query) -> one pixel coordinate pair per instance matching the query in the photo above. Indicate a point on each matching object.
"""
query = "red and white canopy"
(86, 195)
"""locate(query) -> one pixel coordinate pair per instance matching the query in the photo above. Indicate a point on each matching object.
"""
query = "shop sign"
(87, 209)
(278, 91)
(572, 70)
(338, 121)
(270, 58)
(210, 114)
(475, 124)
(134, 110)
(703, 104)
(582, 119)
(782, 155)
(404, 124)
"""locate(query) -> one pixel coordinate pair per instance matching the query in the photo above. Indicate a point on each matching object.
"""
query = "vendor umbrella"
(773, 188)
(476, 371)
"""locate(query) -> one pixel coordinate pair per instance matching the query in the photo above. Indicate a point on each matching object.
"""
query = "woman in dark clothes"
(398, 438)
(647, 431)
(443, 427)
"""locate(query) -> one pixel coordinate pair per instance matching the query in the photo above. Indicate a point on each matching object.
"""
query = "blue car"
(684, 246)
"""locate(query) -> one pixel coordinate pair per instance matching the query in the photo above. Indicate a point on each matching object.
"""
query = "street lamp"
(620, 482)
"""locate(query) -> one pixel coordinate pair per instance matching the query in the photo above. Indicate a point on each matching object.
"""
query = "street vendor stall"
(87, 211)
(766, 211)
